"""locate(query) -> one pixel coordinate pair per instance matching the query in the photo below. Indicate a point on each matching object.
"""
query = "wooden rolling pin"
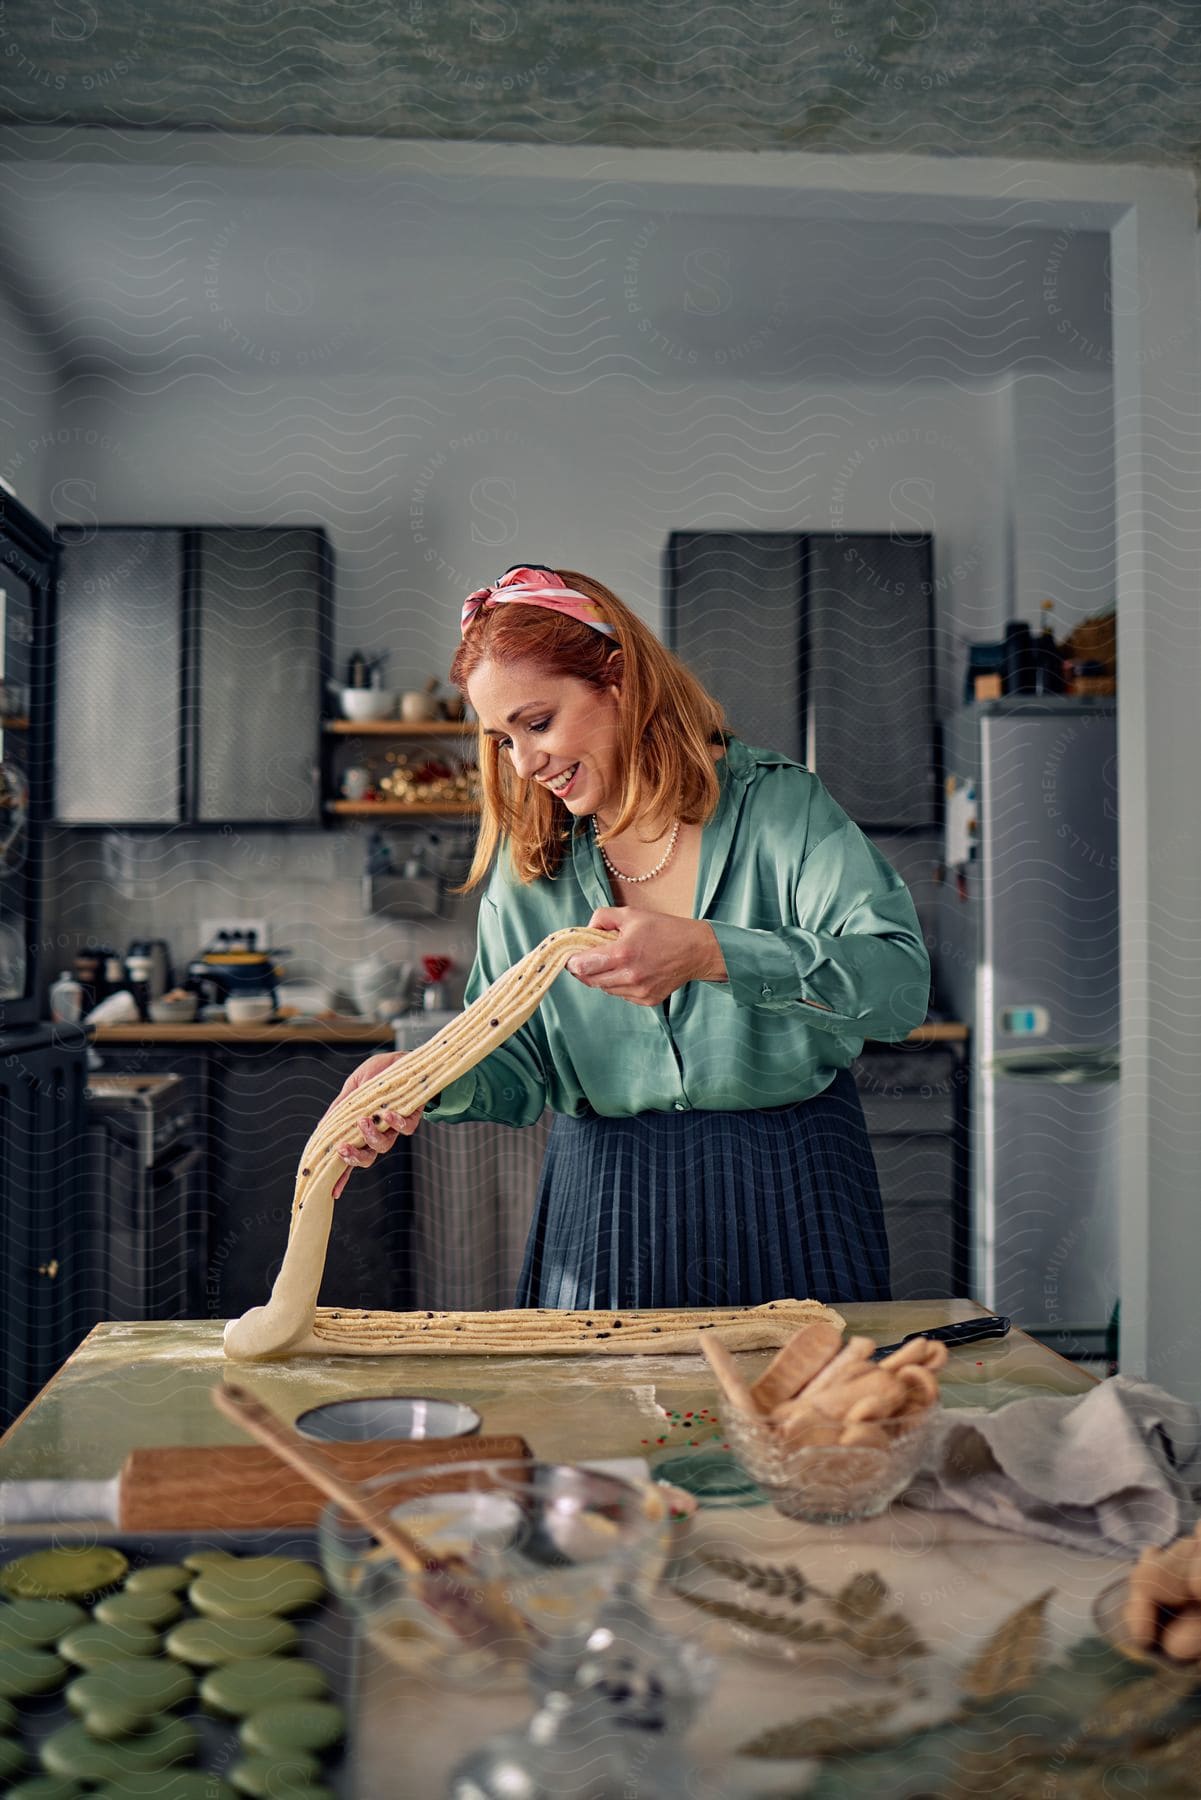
(231, 1487)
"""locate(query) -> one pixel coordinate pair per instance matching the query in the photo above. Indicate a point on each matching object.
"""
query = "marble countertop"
(954, 1580)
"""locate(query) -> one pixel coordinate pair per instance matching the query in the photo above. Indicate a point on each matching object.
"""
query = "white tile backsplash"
(111, 887)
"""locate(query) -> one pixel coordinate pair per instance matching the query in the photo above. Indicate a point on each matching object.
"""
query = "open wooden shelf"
(396, 728)
(399, 809)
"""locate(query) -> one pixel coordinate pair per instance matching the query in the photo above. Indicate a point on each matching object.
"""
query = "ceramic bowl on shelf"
(829, 1484)
(557, 1540)
(249, 1009)
(363, 704)
(173, 1012)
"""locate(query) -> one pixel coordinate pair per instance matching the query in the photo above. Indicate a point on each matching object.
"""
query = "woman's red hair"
(666, 725)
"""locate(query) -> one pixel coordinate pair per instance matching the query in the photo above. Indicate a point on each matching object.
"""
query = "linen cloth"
(1113, 1470)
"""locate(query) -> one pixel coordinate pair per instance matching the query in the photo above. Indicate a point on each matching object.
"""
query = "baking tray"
(327, 1638)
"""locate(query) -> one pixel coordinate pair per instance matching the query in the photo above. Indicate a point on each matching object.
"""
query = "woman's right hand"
(381, 1136)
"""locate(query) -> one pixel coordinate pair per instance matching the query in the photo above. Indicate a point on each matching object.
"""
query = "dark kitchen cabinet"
(820, 645)
(118, 702)
(190, 669)
(260, 669)
(264, 1102)
(914, 1103)
(43, 1242)
(870, 643)
(734, 614)
(254, 1107)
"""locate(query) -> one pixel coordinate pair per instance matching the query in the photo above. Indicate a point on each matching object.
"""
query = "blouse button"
(681, 1106)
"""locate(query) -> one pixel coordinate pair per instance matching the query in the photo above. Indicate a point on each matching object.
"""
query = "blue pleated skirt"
(709, 1208)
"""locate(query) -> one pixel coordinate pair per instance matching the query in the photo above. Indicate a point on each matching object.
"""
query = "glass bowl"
(830, 1484)
(405, 1417)
(553, 1540)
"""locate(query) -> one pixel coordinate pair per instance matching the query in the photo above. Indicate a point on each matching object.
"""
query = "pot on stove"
(239, 972)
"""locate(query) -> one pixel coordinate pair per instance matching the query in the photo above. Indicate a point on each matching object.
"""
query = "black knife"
(969, 1332)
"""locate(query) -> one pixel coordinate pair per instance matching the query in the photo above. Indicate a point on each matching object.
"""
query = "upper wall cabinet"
(190, 676)
(821, 646)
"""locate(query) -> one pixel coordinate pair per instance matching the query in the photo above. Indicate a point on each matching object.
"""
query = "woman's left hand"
(655, 953)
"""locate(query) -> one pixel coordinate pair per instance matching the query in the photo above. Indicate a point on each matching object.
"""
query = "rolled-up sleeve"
(855, 956)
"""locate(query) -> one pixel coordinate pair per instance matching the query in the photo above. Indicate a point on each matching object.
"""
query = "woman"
(708, 1146)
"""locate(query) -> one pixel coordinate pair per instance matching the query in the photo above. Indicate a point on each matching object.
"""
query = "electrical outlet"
(209, 929)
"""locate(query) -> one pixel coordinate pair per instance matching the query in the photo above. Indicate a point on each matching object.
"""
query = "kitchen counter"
(281, 1031)
(954, 1581)
(364, 1031)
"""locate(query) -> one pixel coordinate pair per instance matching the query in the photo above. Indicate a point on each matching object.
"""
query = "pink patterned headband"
(536, 587)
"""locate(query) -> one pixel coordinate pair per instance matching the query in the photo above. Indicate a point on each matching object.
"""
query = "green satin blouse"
(804, 907)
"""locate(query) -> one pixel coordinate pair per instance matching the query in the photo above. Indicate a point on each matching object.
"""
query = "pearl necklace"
(651, 873)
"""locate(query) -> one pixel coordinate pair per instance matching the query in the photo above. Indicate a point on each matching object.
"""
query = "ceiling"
(1002, 78)
(165, 269)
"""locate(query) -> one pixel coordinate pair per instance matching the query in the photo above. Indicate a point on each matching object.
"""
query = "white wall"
(426, 496)
(1061, 430)
(428, 492)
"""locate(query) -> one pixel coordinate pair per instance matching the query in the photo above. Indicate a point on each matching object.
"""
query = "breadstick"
(926, 1353)
(725, 1371)
(865, 1435)
(878, 1397)
(796, 1364)
(809, 1433)
(855, 1353)
(835, 1400)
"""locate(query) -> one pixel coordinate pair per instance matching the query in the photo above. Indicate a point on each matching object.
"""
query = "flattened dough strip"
(285, 1323)
(546, 1331)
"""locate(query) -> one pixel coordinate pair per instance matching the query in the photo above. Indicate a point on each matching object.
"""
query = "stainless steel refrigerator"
(1027, 953)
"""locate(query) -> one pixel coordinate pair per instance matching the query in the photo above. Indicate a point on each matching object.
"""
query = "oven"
(145, 1200)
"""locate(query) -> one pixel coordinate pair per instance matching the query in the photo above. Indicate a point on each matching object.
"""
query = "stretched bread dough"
(549, 1331)
(286, 1321)
(291, 1322)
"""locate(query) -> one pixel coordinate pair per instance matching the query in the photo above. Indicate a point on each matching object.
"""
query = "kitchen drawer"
(907, 1115)
(921, 1244)
(915, 1169)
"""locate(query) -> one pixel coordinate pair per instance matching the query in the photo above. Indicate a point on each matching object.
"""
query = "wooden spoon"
(447, 1586)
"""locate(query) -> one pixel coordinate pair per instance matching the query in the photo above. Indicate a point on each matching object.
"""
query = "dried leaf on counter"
(850, 1728)
(862, 1596)
(1136, 1709)
(1012, 1655)
(1181, 1753)
(778, 1583)
(885, 1637)
(771, 1624)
